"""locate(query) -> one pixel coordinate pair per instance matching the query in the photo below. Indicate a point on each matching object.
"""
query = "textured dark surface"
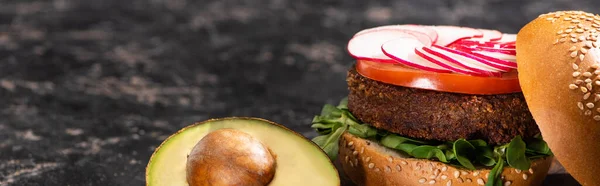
(89, 88)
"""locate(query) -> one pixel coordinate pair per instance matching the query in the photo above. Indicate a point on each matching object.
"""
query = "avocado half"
(299, 161)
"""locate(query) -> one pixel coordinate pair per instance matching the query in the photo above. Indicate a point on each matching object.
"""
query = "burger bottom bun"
(368, 163)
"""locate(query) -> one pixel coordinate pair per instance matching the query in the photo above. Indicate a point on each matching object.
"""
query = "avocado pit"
(230, 157)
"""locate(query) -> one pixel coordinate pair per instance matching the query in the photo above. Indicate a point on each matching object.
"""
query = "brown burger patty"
(433, 115)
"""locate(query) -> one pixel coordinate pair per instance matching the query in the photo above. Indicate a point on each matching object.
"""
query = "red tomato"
(400, 75)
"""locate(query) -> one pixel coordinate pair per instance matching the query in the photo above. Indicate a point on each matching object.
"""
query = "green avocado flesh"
(298, 161)
(335, 120)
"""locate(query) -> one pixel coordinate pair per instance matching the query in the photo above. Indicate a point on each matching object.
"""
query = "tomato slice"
(400, 75)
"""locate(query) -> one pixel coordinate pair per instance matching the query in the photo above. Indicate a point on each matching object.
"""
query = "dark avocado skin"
(442, 116)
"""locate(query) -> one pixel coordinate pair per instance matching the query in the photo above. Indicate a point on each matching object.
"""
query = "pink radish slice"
(432, 34)
(491, 35)
(511, 64)
(367, 46)
(403, 51)
(496, 50)
(450, 34)
(426, 54)
(497, 55)
(508, 38)
(471, 60)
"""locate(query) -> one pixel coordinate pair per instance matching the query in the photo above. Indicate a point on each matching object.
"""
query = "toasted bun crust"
(558, 76)
(368, 163)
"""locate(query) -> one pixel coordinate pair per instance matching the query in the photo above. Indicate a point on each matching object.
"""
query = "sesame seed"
(571, 27)
(575, 21)
(583, 51)
(595, 25)
(530, 170)
(444, 168)
(456, 174)
(371, 165)
(469, 180)
(444, 177)
(567, 18)
(581, 17)
(579, 30)
(432, 176)
(525, 176)
(460, 180)
(355, 153)
(390, 159)
(586, 96)
(575, 66)
(476, 173)
(346, 158)
(597, 117)
(581, 56)
(574, 54)
(597, 72)
(587, 113)
(562, 40)
(587, 74)
(579, 81)
(589, 86)
(580, 105)
(559, 32)
(584, 90)
(582, 38)
(436, 172)
(573, 35)
(404, 162)
(586, 28)
(507, 183)
(368, 159)
(589, 105)
(597, 98)
(589, 14)
(576, 74)
(549, 19)
(418, 167)
(376, 169)
(362, 149)
(579, 25)
(449, 183)
(480, 181)
(595, 66)
(568, 30)
(573, 48)
(463, 173)
(422, 180)
(588, 80)
(350, 144)
(431, 182)
(398, 168)
(487, 174)
(519, 171)
(587, 19)
(351, 164)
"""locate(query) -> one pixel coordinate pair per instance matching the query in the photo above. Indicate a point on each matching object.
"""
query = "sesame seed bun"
(368, 163)
(557, 56)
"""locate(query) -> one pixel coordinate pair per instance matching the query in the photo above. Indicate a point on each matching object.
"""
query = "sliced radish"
(471, 61)
(367, 46)
(450, 34)
(432, 34)
(511, 64)
(425, 53)
(491, 35)
(508, 38)
(403, 51)
(499, 56)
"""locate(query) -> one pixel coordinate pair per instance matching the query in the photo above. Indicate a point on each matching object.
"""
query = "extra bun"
(557, 56)
(368, 163)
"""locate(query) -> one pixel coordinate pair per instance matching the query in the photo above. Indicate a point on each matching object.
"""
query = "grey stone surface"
(89, 88)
